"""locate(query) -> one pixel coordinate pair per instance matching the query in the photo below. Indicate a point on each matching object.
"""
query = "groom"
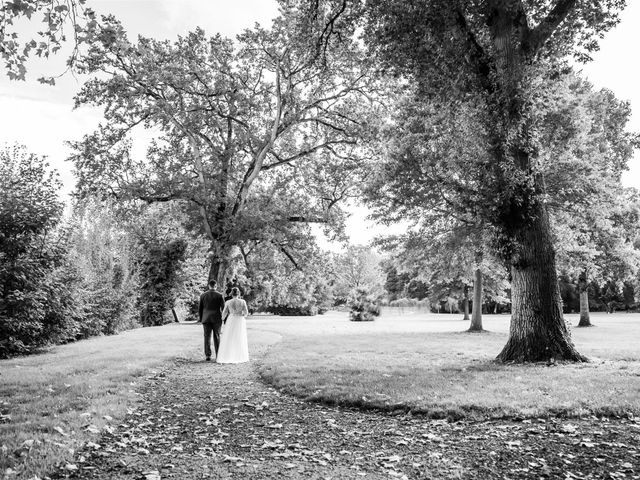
(210, 314)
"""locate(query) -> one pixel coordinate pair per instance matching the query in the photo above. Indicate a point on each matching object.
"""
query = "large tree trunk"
(585, 319)
(465, 302)
(476, 315)
(217, 271)
(538, 331)
(219, 262)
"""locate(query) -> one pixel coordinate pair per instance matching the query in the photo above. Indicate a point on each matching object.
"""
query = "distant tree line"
(609, 296)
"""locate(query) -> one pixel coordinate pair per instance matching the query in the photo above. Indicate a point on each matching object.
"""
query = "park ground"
(410, 395)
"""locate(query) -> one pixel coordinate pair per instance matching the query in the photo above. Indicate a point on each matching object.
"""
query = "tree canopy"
(488, 66)
(272, 123)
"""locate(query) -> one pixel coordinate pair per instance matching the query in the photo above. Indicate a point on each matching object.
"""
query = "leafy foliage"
(359, 267)
(594, 219)
(402, 284)
(159, 273)
(56, 15)
(280, 286)
(33, 277)
(485, 68)
(104, 257)
(253, 137)
(363, 306)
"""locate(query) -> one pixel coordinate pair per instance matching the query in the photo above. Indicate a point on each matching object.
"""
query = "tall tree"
(234, 125)
(604, 252)
(587, 149)
(492, 60)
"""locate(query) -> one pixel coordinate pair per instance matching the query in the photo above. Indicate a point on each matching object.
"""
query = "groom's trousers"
(211, 329)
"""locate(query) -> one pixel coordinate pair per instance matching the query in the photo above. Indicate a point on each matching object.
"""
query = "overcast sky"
(42, 118)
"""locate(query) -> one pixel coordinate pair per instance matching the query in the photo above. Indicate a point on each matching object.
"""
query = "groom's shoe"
(208, 359)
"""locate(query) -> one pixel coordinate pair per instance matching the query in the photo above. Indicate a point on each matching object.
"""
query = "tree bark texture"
(217, 271)
(538, 331)
(465, 302)
(476, 314)
(583, 286)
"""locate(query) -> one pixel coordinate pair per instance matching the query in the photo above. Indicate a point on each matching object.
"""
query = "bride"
(233, 344)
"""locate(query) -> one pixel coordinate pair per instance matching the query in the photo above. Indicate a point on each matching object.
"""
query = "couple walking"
(213, 312)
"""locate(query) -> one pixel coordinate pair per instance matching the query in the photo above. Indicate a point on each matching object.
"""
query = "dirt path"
(200, 420)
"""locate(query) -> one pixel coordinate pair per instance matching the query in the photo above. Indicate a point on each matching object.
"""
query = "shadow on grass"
(474, 332)
(473, 413)
(450, 375)
(452, 414)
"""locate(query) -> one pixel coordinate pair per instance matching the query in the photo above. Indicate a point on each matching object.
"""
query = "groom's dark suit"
(210, 314)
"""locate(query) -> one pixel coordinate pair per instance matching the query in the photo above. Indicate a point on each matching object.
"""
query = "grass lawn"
(54, 402)
(426, 363)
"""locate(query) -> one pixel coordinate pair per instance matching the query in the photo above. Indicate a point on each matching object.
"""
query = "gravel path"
(201, 420)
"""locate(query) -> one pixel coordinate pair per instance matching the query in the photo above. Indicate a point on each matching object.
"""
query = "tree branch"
(477, 57)
(290, 257)
(256, 165)
(539, 35)
(303, 219)
(308, 151)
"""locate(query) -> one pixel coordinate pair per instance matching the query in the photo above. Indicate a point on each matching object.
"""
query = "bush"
(160, 276)
(404, 302)
(33, 299)
(364, 307)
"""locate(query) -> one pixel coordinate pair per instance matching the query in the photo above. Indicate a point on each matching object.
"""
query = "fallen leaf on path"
(568, 428)
(92, 429)
(228, 458)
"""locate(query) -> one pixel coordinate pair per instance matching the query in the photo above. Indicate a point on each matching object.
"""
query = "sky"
(42, 117)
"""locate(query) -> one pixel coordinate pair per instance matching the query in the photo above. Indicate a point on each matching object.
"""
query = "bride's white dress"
(233, 342)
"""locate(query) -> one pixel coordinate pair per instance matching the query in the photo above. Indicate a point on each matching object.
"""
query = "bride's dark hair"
(235, 292)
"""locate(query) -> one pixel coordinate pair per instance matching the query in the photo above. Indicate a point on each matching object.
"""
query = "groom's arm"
(223, 310)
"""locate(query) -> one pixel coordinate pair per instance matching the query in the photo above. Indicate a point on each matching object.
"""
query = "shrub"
(364, 307)
(160, 276)
(34, 304)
